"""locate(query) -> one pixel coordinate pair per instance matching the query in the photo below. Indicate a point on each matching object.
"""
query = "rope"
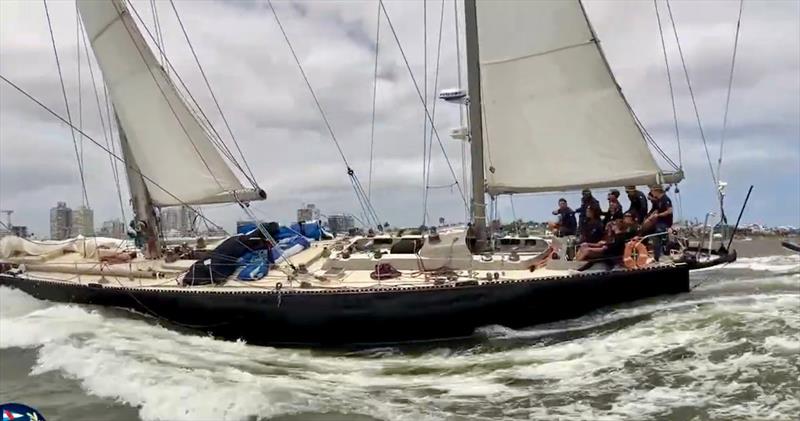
(433, 116)
(419, 95)
(117, 157)
(252, 177)
(374, 98)
(669, 82)
(694, 102)
(730, 88)
(66, 105)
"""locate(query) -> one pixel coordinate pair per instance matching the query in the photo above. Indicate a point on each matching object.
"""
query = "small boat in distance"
(788, 245)
(537, 75)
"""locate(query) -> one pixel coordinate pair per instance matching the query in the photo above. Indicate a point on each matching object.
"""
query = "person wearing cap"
(614, 208)
(566, 224)
(660, 218)
(638, 203)
(587, 201)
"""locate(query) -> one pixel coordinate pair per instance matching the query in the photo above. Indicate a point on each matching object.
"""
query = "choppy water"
(729, 350)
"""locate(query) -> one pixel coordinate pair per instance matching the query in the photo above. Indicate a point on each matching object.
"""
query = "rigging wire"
(360, 193)
(112, 143)
(464, 178)
(669, 82)
(159, 35)
(252, 177)
(164, 94)
(730, 88)
(419, 95)
(694, 102)
(80, 79)
(433, 118)
(513, 211)
(308, 84)
(208, 127)
(96, 143)
(66, 105)
(374, 99)
(425, 108)
(109, 141)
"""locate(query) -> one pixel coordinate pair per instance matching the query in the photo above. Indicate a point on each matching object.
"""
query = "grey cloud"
(276, 122)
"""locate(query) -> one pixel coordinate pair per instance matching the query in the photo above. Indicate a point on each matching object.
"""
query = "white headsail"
(554, 118)
(168, 144)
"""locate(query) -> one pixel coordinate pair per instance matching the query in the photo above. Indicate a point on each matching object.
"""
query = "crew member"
(638, 203)
(587, 201)
(659, 218)
(614, 207)
(566, 224)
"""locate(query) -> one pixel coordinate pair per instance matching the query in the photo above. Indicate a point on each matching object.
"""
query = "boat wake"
(728, 351)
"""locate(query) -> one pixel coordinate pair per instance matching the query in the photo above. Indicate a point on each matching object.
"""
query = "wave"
(635, 362)
(780, 264)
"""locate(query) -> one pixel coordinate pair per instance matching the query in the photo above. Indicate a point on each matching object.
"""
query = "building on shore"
(20, 231)
(308, 213)
(82, 222)
(178, 221)
(16, 230)
(113, 229)
(60, 221)
(341, 223)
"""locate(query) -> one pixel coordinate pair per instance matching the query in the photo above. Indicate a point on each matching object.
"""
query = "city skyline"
(275, 113)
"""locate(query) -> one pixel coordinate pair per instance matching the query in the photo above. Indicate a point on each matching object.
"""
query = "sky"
(276, 123)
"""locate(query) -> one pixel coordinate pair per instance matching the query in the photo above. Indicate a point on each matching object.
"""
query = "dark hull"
(790, 246)
(351, 317)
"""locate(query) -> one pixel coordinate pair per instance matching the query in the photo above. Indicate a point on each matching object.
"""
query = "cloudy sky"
(275, 120)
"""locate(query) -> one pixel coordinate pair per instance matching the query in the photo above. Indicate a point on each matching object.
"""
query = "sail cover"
(554, 118)
(167, 142)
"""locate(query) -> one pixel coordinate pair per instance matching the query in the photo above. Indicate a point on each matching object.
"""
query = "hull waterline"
(370, 316)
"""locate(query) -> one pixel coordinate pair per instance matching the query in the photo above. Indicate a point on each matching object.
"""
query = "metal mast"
(146, 223)
(475, 124)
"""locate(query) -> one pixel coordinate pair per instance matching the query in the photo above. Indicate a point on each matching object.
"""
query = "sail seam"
(537, 54)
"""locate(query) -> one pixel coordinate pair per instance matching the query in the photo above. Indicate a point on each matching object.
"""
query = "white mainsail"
(553, 116)
(168, 144)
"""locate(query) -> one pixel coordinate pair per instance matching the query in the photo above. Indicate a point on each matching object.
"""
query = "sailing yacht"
(537, 78)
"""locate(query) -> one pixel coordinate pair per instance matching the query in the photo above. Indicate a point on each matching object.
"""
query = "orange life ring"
(635, 255)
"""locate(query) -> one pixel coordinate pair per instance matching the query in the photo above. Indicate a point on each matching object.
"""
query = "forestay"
(554, 118)
(167, 142)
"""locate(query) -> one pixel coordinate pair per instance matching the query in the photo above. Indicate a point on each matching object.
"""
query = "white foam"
(172, 376)
(779, 264)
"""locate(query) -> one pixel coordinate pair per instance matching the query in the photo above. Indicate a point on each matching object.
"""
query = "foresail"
(554, 118)
(169, 146)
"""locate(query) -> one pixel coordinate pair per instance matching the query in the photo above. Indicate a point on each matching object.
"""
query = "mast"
(146, 223)
(478, 204)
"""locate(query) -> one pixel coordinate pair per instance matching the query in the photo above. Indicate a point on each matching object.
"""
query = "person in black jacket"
(614, 207)
(587, 201)
(638, 203)
(566, 224)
